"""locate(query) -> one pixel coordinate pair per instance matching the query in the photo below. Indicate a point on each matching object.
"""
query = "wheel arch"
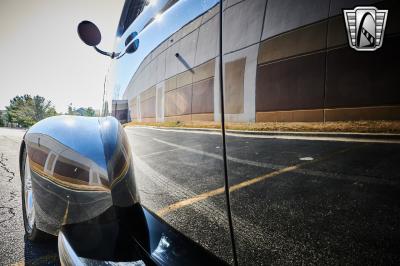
(21, 155)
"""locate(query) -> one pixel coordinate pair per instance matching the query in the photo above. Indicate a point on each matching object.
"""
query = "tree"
(70, 110)
(2, 118)
(80, 111)
(42, 108)
(26, 111)
(90, 112)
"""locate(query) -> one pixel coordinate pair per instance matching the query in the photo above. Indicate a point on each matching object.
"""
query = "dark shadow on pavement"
(41, 253)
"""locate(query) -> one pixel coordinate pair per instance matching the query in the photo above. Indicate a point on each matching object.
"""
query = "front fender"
(80, 166)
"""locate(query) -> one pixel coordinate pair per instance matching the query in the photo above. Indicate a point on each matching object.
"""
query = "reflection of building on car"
(274, 71)
(52, 158)
(119, 110)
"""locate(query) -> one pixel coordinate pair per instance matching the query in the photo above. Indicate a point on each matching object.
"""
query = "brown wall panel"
(234, 86)
(133, 115)
(178, 118)
(303, 40)
(336, 6)
(184, 78)
(203, 117)
(363, 113)
(121, 115)
(204, 71)
(148, 119)
(170, 103)
(159, 97)
(184, 100)
(364, 78)
(203, 96)
(38, 155)
(337, 34)
(316, 115)
(132, 108)
(393, 19)
(147, 94)
(291, 84)
(170, 84)
(285, 15)
(148, 107)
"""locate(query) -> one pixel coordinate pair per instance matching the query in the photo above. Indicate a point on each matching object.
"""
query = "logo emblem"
(365, 27)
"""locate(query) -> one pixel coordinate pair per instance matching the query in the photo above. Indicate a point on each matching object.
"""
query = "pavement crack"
(6, 214)
(3, 165)
(13, 195)
(3, 158)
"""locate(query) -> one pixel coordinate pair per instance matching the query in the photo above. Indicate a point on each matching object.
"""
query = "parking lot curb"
(355, 135)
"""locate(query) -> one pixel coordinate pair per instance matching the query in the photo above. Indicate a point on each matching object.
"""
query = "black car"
(195, 176)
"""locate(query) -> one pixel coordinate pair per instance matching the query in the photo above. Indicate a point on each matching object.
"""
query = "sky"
(41, 53)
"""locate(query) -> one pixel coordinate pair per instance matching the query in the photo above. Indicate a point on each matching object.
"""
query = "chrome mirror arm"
(112, 55)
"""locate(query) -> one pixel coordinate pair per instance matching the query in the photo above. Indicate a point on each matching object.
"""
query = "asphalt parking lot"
(315, 201)
(310, 200)
(14, 248)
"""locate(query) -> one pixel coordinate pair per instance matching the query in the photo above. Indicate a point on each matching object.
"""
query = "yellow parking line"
(261, 178)
(190, 201)
(219, 191)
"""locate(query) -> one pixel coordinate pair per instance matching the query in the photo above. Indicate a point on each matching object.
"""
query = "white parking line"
(158, 153)
(276, 167)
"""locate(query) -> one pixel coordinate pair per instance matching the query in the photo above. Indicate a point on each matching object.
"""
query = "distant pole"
(104, 93)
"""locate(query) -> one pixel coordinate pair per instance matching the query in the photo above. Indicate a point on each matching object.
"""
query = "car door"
(169, 81)
(301, 197)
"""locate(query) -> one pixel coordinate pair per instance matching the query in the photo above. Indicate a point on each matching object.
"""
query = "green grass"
(340, 126)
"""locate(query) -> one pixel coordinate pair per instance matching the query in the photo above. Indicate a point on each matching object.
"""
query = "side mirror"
(89, 33)
(132, 47)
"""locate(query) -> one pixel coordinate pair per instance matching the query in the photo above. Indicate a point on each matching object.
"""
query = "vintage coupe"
(78, 183)
(156, 194)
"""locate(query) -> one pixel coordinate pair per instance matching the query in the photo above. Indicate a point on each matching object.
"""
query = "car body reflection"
(72, 183)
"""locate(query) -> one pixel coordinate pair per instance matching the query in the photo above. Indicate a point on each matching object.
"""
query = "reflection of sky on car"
(149, 12)
(155, 33)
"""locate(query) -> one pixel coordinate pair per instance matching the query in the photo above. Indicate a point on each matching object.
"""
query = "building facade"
(300, 68)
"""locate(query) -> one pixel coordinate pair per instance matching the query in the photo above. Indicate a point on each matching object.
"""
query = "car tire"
(31, 232)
